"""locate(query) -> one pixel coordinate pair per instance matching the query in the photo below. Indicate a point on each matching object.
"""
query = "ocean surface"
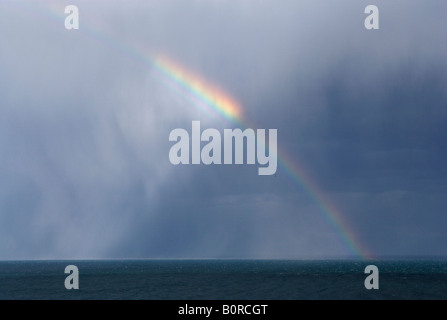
(223, 279)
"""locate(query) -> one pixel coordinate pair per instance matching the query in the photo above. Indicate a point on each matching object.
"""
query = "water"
(223, 279)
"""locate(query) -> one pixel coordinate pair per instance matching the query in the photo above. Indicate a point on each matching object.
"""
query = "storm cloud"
(85, 121)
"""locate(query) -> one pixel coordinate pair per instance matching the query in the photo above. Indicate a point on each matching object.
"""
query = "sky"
(85, 118)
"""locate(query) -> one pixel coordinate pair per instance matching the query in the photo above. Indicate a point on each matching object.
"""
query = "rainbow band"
(325, 206)
(202, 90)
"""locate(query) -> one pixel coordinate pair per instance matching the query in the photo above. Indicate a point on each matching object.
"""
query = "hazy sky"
(85, 120)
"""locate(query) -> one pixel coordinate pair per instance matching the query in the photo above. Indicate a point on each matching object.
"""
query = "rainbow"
(202, 90)
(225, 105)
(324, 205)
(213, 99)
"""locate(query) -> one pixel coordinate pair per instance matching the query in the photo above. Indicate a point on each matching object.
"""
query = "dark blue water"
(223, 279)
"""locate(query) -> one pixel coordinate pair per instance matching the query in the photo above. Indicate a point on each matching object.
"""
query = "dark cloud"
(84, 126)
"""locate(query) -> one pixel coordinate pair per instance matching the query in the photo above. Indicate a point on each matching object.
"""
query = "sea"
(224, 280)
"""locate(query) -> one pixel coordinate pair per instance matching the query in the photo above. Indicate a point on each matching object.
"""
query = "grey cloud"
(84, 125)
